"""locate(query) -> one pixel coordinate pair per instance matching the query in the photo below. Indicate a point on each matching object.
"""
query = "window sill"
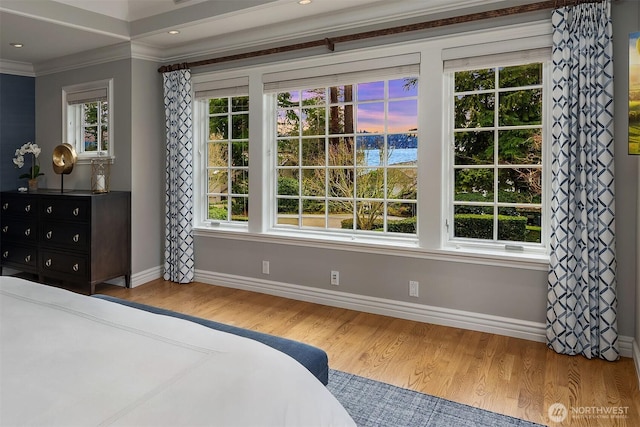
(408, 247)
(86, 160)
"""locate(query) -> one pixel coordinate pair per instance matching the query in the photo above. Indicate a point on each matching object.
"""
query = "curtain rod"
(331, 42)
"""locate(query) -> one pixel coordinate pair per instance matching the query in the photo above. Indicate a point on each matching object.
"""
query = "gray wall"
(147, 159)
(501, 291)
(49, 123)
(139, 145)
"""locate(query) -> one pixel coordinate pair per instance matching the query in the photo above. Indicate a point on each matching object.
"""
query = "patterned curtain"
(178, 253)
(582, 302)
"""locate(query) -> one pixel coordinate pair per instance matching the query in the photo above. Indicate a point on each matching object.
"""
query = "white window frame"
(72, 117)
(433, 155)
(493, 246)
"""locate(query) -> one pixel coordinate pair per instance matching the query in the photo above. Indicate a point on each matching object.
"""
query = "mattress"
(71, 360)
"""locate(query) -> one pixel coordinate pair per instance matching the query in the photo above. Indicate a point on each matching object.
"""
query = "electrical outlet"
(335, 278)
(265, 267)
(413, 288)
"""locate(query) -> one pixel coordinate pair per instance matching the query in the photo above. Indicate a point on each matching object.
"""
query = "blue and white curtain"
(179, 263)
(582, 302)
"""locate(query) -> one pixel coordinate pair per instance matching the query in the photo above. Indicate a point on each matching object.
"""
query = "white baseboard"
(145, 276)
(516, 328)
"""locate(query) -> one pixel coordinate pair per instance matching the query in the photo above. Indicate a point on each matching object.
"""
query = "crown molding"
(16, 68)
(85, 59)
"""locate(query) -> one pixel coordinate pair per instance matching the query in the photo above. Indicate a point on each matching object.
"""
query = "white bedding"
(71, 360)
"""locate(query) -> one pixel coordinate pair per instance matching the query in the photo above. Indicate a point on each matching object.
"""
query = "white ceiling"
(52, 29)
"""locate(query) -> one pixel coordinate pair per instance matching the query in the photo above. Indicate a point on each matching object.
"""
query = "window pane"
(473, 185)
(313, 182)
(477, 225)
(104, 112)
(218, 154)
(288, 122)
(288, 212)
(370, 150)
(403, 116)
(402, 88)
(240, 153)
(90, 113)
(313, 153)
(240, 209)
(371, 118)
(104, 138)
(288, 183)
(520, 146)
(313, 96)
(340, 151)
(473, 111)
(403, 149)
(313, 213)
(466, 81)
(474, 148)
(218, 182)
(520, 75)
(341, 182)
(240, 128)
(313, 121)
(239, 181)
(511, 226)
(369, 214)
(370, 183)
(522, 185)
(341, 215)
(288, 152)
(91, 139)
(340, 119)
(218, 126)
(402, 183)
(370, 91)
(288, 99)
(240, 103)
(217, 208)
(341, 94)
(401, 218)
(218, 105)
(521, 107)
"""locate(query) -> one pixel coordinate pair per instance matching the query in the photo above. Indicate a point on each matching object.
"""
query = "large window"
(347, 157)
(87, 119)
(496, 184)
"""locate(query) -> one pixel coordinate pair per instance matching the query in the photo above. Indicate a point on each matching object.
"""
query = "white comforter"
(72, 360)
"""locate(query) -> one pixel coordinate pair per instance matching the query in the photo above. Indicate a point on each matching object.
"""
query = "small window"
(87, 116)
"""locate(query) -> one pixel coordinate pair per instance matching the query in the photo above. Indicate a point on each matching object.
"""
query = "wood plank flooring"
(510, 376)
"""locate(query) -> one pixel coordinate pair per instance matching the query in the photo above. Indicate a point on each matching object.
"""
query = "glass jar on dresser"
(75, 236)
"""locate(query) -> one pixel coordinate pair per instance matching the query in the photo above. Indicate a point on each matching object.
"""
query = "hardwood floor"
(511, 376)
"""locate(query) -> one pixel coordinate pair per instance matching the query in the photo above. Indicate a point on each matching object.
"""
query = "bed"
(71, 360)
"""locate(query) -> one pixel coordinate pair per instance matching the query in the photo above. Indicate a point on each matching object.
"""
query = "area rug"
(375, 404)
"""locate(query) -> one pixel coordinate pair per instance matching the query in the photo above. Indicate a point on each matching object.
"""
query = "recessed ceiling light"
(304, 1)
(16, 45)
(174, 32)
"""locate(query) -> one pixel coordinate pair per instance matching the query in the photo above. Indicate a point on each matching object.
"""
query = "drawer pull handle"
(27, 258)
(76, 211)
(27, 208)
(27, 231)
(75, 267)
(49, 234)
(5, 229)
(5, 254)
(5, 206)
(76, 238)
(49, 209)
(48, 262)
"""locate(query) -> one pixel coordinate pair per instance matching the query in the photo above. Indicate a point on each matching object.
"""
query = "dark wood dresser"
(75, 236)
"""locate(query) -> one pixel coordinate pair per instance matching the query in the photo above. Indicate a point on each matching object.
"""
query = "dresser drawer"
(23, 206)
(19, 255)
(73, 208)
(64, 263)
(23, 230)
(74, 236)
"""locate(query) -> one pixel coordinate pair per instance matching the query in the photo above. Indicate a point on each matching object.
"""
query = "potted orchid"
(34, 171)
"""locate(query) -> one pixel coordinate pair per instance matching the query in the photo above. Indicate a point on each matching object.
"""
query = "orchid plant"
(34, 150)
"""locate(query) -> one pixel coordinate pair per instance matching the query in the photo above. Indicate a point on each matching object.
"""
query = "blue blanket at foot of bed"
(312, 358)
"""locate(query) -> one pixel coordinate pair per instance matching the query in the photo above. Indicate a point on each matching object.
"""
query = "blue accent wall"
(17, 124)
